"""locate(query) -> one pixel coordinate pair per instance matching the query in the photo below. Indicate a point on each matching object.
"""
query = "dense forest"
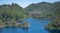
(47, 9)
(55, 23)
(12, 15)
(11, 12)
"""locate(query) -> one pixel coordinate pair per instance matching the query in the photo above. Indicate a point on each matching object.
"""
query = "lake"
(35, 26)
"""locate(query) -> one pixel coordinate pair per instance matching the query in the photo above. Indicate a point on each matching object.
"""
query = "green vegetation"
(55, 23)
(11, 13)
(44, 8)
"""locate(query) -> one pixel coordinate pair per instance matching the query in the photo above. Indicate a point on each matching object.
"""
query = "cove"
(35, 26)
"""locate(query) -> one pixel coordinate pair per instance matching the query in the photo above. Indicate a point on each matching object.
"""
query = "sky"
(25, 3)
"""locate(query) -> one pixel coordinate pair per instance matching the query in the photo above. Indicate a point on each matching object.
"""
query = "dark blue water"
(36, 26)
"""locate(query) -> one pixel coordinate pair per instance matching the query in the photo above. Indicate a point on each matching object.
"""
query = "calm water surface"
(36, 26)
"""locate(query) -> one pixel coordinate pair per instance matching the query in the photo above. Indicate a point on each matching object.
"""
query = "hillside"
(42, 6)
(11, 12)
(45, 8)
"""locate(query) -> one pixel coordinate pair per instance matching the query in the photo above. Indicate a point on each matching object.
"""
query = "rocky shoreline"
(14, 24)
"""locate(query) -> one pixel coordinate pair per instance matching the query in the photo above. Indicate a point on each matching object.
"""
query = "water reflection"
(25, 28)
(13, 30)
(54, 31)
(1, 31)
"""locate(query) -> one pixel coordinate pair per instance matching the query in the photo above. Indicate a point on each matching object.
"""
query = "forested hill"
(47, 9)
(42, 6)
(13, 11)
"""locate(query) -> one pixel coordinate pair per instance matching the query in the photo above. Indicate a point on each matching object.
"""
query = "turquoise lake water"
(35, 26)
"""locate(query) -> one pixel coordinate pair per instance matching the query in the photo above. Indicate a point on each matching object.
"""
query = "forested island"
(12, 14)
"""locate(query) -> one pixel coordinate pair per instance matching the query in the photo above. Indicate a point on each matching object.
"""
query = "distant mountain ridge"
(42, 6)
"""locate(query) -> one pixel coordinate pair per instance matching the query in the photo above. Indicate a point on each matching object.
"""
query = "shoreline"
(14, 24)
